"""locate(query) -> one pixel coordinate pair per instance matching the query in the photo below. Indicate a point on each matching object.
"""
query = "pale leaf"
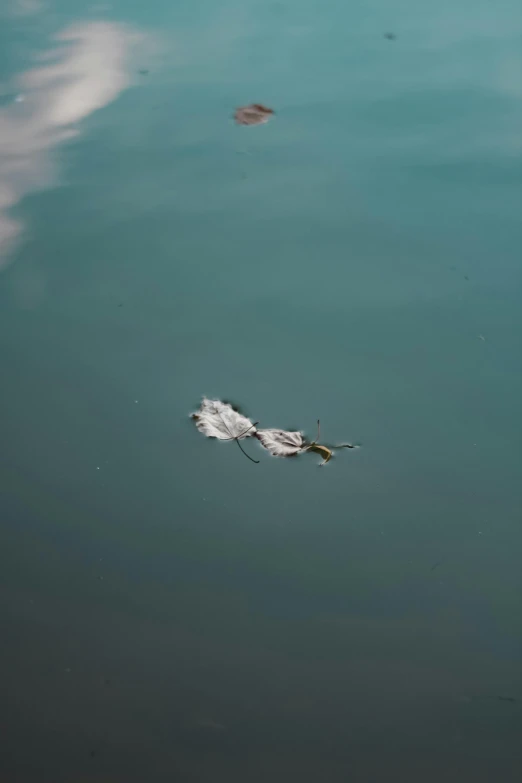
(281, 443)
(217, 419)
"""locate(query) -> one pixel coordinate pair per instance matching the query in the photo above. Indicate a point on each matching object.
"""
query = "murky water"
(170, 610)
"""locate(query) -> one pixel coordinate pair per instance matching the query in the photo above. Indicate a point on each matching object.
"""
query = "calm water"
(170, 611)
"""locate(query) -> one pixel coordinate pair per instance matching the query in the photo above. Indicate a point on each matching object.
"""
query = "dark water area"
(170, 611)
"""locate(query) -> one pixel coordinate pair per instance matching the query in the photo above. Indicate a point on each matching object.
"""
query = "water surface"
(171, 611)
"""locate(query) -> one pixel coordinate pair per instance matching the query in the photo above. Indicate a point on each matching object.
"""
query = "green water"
(170, 611)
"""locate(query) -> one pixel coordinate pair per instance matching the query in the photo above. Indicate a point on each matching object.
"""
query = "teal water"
(170, 611)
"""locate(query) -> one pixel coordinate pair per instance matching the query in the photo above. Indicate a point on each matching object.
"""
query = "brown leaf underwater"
(254, 114)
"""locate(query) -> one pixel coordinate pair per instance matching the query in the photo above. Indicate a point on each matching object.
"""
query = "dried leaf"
(255, 114)
(281, 443)
(217, 419)
(324, 451)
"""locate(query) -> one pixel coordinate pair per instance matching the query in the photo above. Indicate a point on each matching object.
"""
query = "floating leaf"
(280, 443)
(324, 451)
(255, 114)
(217, 419)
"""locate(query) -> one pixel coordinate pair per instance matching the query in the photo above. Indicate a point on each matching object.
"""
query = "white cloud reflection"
(24, 7)
(87, 69)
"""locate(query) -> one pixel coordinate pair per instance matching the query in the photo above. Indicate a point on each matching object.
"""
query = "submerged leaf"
(255, 114)
(281, 443)
(217, 419)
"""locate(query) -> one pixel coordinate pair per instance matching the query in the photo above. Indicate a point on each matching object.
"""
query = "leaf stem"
(244, 452)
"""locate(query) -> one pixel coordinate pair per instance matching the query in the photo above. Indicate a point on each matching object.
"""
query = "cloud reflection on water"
(24, 7)
(86, 70)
